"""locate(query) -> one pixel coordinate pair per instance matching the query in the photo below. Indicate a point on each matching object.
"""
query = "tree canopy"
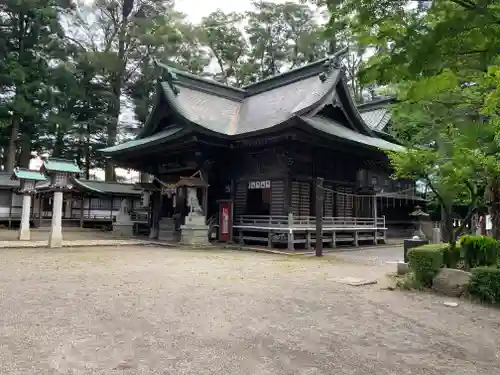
(78, 75)
(441, 57)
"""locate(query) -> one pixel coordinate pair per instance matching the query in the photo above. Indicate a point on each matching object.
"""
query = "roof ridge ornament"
(167, 74)
(333, 62)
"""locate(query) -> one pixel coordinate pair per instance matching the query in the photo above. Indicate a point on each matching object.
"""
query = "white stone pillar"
(24, 229)
(55, 239)
(69, 209)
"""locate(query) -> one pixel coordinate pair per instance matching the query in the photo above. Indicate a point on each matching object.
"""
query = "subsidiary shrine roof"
(105, 187)
(188, 103)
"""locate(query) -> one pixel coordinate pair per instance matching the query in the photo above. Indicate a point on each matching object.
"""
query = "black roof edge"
(286, 78)
(352, 112)
(292, 75)
(376, 103)
(209, 85)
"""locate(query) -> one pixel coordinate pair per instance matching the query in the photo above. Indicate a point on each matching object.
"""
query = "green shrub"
(409, 282)
(426, 261)
(480, 251)
(485, 284)
(451, 256)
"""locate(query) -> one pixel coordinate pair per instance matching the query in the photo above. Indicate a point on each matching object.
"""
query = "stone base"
(123, 229)
(402, 268)
(55, 239)
(195, 220)
(167, 230)
(153, 234)
(194, 235)
(24, 234)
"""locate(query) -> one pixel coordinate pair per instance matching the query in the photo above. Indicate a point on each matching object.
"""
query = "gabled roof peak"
(324, 65)
(183, 78)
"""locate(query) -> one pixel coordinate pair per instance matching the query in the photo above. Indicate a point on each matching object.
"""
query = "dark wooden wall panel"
(277, 197)
(344, 204)
(240, 200)
(328, 202)
(301, 198)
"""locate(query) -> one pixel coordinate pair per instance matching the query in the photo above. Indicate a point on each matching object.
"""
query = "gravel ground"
(159, 311)
(373, 256)
(43, 234)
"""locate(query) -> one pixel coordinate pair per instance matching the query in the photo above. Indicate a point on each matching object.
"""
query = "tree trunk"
(12, 149)
(144, 177)
(58, 144)
(116, 87)
(493, 201)
(110, 174)
(25, 146)
(447, 225)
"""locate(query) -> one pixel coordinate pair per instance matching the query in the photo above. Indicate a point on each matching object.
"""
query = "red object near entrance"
(225, 221)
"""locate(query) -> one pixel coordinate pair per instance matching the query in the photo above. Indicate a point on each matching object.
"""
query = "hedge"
(485, 284)
(451, 257)
(426, 261)
(480, 251)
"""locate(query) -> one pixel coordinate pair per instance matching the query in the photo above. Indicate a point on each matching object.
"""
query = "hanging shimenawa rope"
(387, 195)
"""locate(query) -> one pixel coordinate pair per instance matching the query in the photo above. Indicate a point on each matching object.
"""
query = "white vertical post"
(55, 239)
(24, 230)
(69, 207)
(291, 245)
(375, 214)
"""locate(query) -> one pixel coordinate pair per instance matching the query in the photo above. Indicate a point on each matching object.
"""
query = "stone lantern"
(27, 185)
(420, 216)
(58, 172)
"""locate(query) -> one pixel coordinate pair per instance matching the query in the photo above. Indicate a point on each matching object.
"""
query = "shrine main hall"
(262, 148)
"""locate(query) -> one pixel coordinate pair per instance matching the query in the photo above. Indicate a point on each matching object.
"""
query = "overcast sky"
(197, 9)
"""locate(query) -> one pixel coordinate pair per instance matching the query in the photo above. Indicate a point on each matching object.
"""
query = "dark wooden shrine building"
(263, 145)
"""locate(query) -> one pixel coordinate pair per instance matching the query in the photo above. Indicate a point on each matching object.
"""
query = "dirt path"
(154, 311)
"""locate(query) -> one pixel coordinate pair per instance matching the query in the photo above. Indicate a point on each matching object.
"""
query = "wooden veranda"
(301, 230)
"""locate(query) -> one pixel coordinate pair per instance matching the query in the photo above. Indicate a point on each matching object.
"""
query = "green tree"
(221, 32)
(122, 34)
(440, 55)
(282, 36)
(125, 36)
(30, 39)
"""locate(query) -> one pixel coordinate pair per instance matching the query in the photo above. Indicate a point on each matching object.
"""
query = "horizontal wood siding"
(328, 202)
(344, 204)
(301, 198)
(278, 197)
(240, 198)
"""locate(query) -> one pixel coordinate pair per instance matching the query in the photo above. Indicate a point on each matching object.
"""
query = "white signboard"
(253, 185)
(489, 226)
(35, 163)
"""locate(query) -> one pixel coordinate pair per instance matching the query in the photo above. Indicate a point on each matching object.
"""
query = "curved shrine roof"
(198, 103)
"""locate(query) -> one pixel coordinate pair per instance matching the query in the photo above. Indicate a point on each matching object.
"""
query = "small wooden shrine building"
(263, 145)
(87, 203)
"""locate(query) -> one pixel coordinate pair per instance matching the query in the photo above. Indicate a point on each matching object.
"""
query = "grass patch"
(409, 282)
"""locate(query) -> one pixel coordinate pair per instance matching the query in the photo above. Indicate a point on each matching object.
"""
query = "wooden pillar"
(288, 193)
(154, 216)
(205, 202)
(320, 192)
(111, 208)
(82, 203)
(375, 214)
(40, 209)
